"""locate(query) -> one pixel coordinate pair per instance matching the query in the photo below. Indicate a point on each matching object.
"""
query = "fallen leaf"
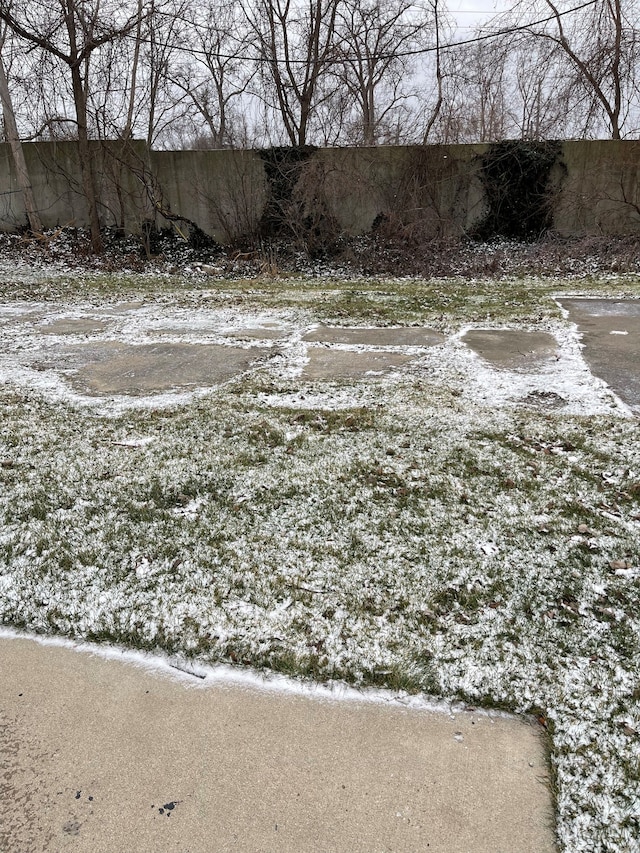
(620, 564)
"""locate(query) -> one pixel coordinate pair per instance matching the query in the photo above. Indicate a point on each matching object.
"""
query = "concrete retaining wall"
(600, 193)
(437, 189)
(224, 192)
(55, 176)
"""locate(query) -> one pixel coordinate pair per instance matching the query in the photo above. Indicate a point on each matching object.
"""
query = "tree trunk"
(439, 101)
(86, 163)
(22, 173)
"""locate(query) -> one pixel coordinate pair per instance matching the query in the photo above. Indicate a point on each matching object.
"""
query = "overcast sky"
(470, 13)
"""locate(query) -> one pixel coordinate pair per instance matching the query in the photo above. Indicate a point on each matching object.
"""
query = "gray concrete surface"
(73, 326)
(347, 364)
(610, 331)
(105, 368)
(85, 352)
(100, 756)
(512, 348)
(386, 336)
(261, 333)
(328, 363)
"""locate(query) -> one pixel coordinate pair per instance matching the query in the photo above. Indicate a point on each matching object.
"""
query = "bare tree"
(72, 31)
(295, 42)
(11, 134)
(376, 39)
(334, 118)
(40, 93)
(474, 107)
(215, 73)
(600, 44)
(438, 69)
(167, 37)
(542, 98)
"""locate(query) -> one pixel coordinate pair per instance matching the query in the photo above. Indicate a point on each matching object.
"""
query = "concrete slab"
(104, 757)
(24, 316)
(260, 333)
(124, 307)
(610, 331)
(98, 356)
(387, 336)
(72, 326)
(179, 329)
(512, 349)
(114, 368)
(347, 364)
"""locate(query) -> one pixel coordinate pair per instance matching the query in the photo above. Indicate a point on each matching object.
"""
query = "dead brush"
(44, 240)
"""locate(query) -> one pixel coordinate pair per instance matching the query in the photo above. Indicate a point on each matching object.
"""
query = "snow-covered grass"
(413, 531)
(358, 300)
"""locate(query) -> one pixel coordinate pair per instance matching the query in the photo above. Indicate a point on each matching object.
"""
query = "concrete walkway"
(101, 756)
(136, 350)
(610, 333)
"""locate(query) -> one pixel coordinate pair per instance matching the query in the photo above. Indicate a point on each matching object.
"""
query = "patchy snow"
(199, 676)
(431, 529)
(568, 376)
(30, 359)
